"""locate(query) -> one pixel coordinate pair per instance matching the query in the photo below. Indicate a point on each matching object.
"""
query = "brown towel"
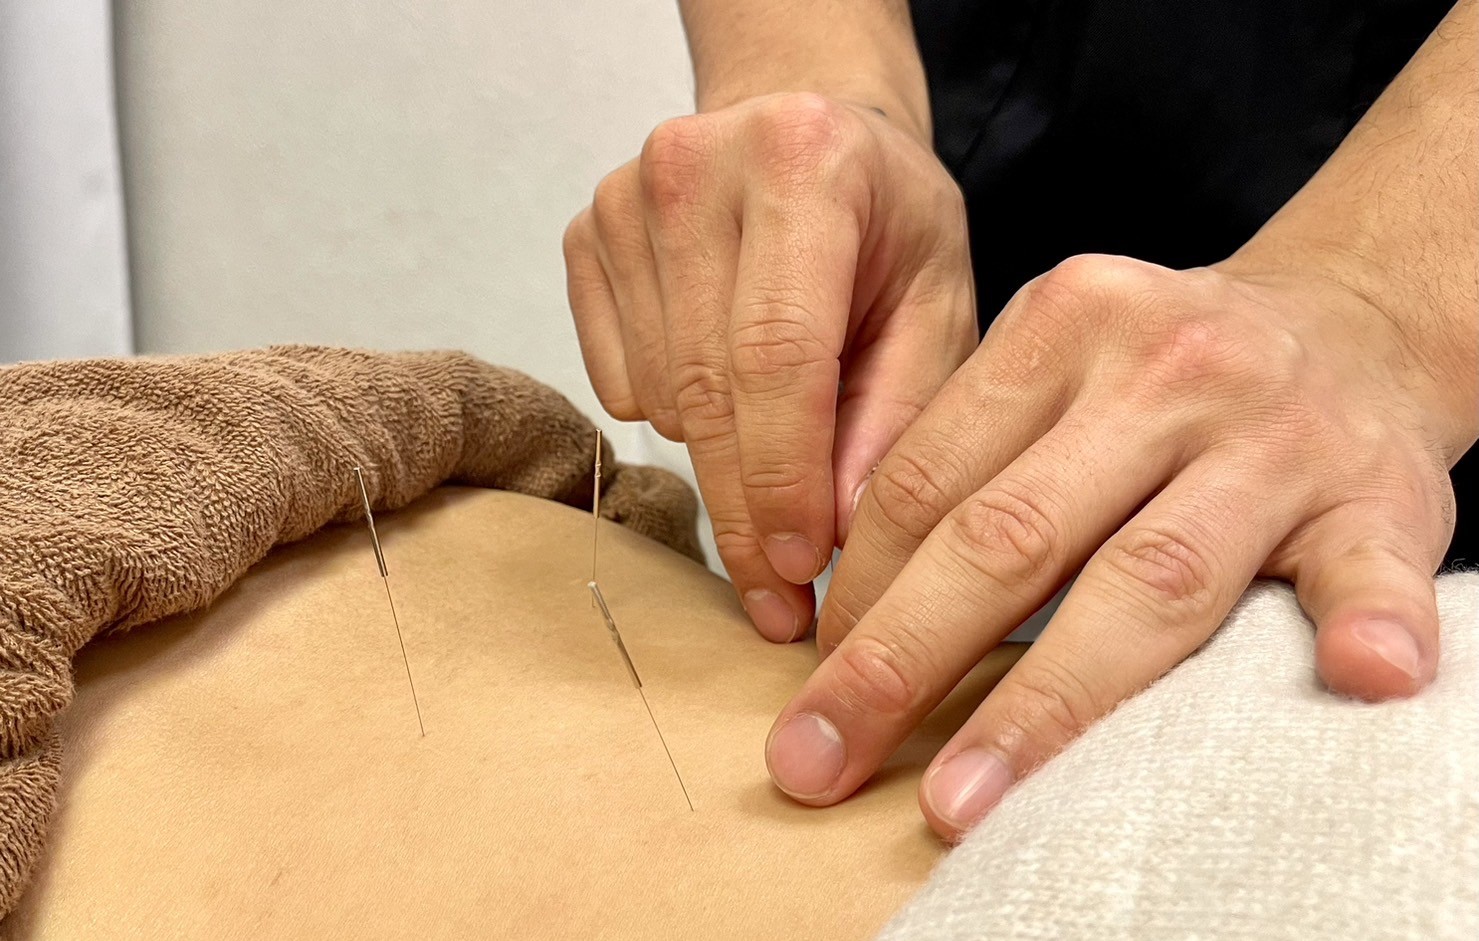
(131, 490)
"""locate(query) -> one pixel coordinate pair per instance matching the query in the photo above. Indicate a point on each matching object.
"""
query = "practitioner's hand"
(782, 284)
(1175, 434)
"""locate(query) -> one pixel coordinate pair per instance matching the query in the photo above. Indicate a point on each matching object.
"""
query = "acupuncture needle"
(364, 494)
(599, 600)
(596, 521)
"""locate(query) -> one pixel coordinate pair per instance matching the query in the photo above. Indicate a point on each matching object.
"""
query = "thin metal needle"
(600, 600)
(668, 751)
(626, 658)
(596, 512)
(364, 494)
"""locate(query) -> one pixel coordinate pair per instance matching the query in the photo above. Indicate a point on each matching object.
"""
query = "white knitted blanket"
(1236, 798)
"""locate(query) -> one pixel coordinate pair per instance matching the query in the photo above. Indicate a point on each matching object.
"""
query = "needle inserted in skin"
(621, 648)
(364, 494)
(599, 600)
(596, 515)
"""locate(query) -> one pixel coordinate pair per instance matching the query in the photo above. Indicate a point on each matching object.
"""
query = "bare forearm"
(1394, 213)
(858, 50)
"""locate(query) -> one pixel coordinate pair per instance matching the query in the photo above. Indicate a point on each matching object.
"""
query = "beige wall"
(383, 173)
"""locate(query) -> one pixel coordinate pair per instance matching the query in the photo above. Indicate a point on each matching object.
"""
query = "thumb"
(1367, 582)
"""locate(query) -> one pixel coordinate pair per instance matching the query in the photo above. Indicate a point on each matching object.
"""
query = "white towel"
(1237, 798)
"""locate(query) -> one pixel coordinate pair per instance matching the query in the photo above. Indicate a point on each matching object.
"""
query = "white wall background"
(382, 173)
(63, 268)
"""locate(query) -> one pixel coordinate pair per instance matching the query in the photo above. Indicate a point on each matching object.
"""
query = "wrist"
(909, 112)
(1429, 340)
(862, 52)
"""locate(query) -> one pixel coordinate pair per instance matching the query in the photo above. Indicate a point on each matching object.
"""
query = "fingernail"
(794, 557)
(964, 788)
(774, 619)
(806, 756)
(1392, 642)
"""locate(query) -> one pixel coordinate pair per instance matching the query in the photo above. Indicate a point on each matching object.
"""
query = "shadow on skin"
(191, 637)
(914, 849)
(108, 663)
(914, 755)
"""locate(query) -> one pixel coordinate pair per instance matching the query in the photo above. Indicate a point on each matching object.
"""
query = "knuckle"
(576, 240)
(1163, 567)
(771, 349)
(674, 163)
(665, 422)
(842, 608)
(876, 676)
(771, 481)
(1076, 297)
(950, 205)
(1084, 278)
(966, 338)
(650, 385)
(800, 133)
(1006, 535)
(1049, 706)
(1383, 550)
(1261, 378)
(910, 494)
(1429, 489)
(620, 406)
(700, 396)
(1285, 354)
(734, 539)
(1040, 335)
(612, 201)
(1194, 352)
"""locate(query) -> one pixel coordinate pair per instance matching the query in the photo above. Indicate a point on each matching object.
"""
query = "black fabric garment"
(1166, 130)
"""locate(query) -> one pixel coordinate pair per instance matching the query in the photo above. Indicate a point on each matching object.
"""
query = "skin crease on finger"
(757, 256)
(1302, 392)
(1212, 381)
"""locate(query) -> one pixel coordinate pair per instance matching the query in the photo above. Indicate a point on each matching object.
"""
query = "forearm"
(1394, 216)
(858, 50)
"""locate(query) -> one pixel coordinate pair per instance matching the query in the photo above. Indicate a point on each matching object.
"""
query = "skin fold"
(782, 281)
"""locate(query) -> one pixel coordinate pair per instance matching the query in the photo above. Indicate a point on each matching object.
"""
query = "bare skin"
(1289, 412)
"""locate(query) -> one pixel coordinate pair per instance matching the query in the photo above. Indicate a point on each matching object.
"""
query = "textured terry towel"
(1238, 799)
(131, 490)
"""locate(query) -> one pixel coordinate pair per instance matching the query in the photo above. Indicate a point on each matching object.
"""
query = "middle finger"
(696, 251)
